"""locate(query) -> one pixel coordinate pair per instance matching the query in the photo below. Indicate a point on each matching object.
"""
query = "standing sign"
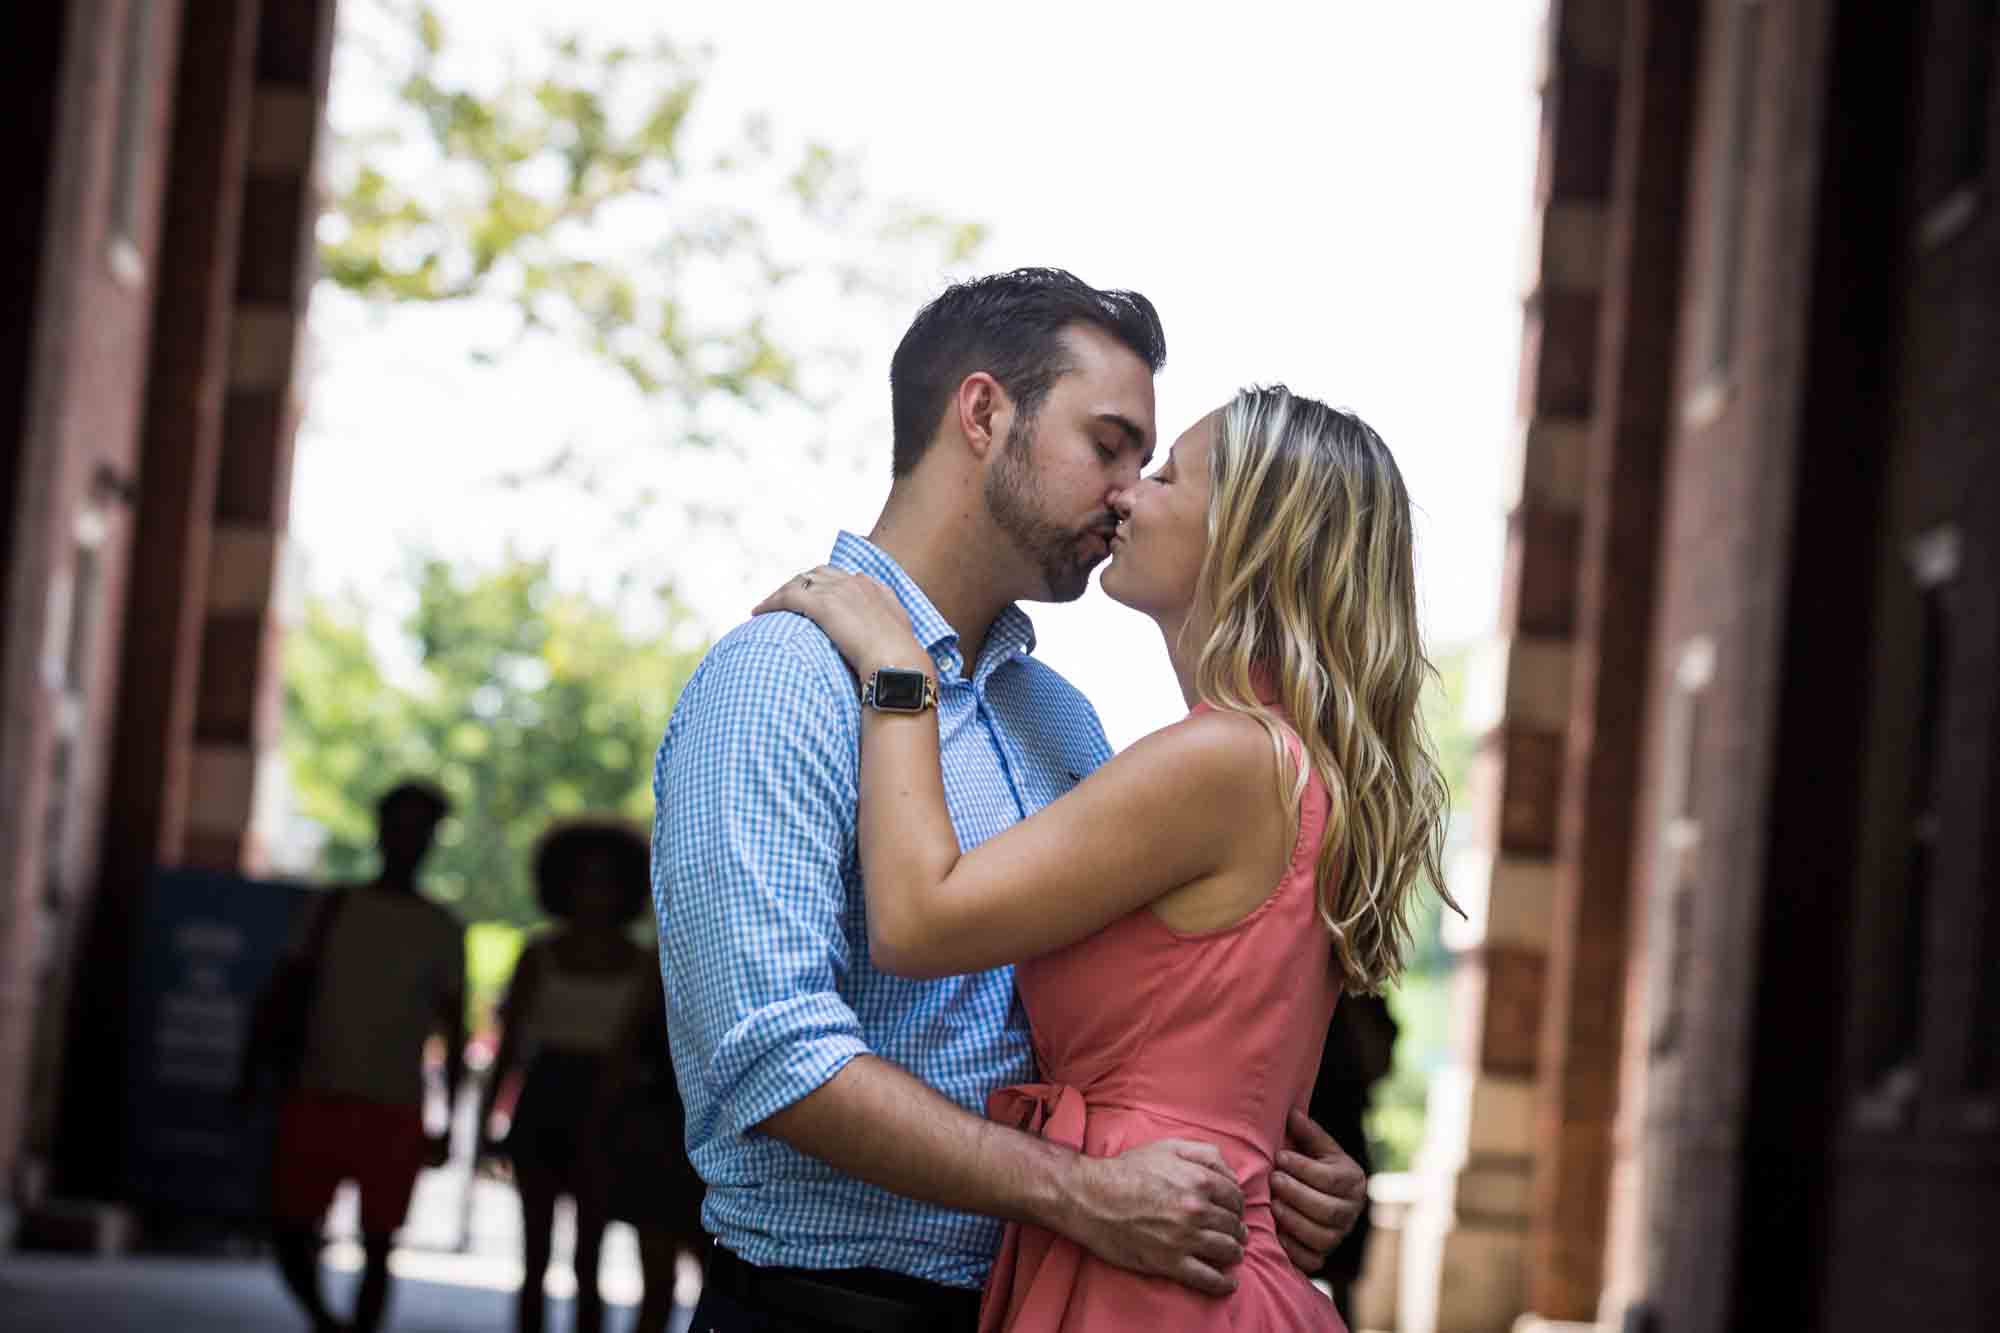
(207, 944)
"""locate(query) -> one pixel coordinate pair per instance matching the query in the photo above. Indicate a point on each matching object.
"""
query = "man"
(1359, 1052)
(385, 970)
(834, 1111)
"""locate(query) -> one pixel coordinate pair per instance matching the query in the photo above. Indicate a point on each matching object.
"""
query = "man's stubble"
(1014, 499)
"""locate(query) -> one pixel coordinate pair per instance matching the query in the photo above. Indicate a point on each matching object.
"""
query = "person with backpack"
(373, 971)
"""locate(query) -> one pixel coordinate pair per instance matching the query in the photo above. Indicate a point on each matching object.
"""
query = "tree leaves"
(524, 702)
(570, 196)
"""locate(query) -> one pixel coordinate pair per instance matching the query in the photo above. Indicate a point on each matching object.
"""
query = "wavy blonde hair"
(1309, 590)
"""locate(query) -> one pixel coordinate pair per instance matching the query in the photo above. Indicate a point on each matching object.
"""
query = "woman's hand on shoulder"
(860, 614)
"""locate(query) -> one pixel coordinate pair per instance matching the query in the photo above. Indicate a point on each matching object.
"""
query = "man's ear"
(984, 410)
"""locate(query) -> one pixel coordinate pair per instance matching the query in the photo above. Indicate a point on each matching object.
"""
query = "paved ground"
(433, 1294)
(457, 1268)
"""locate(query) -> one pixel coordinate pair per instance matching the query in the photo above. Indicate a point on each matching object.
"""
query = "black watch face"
(899, 690)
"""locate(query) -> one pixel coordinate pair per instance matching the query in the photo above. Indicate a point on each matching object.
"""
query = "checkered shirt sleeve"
(756, 789)
(763, 925)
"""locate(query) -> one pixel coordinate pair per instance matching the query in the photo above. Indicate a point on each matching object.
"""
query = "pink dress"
(1144, 1033)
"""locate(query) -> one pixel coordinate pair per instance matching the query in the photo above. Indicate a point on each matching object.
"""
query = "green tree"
(523, 701)
(582, 195)
(1420, 1001)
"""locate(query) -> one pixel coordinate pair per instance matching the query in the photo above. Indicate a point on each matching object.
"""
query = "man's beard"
(1013, 498)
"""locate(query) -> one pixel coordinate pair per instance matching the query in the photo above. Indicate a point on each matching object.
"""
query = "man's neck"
(941, 554)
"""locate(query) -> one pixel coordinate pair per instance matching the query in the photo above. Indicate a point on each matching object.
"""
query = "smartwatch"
(898, 690)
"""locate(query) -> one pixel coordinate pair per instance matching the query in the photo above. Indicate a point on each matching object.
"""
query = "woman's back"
(1143, 1033)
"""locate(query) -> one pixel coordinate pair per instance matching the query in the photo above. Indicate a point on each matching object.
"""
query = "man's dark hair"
(419, 794)
(1010, 326)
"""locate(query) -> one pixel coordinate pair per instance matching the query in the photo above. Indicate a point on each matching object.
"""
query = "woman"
(576, 996)
(1186, 917)
(652, 1186)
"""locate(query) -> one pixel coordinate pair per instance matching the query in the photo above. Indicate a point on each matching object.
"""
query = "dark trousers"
(739, 1298)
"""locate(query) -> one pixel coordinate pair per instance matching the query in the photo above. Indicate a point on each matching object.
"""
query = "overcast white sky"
(1332, 195)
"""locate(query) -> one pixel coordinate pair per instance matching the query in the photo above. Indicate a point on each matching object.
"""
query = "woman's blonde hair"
(1309, 589)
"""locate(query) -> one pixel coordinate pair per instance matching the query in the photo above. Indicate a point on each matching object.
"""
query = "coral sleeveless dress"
(1143, 1033)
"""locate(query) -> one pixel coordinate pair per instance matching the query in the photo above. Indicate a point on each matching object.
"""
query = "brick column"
(147, 781)
(1583, 1018)
(1466, 1244)
(237, 702)
(194, 700)
(147, 805)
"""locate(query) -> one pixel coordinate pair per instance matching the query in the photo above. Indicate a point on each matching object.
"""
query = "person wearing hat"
(576, 994)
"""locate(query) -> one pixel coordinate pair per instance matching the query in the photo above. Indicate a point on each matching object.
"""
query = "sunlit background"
(510, 541)
(403, 389)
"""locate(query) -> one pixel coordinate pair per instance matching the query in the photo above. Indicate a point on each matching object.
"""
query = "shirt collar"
(1012, 633)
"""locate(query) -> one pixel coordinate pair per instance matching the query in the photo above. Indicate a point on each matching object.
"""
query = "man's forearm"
(1171, 1209)
(878, 1123)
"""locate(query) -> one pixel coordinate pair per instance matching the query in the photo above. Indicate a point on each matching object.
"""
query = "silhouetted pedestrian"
(572, 1001)
(372, 973)
(653, 1185)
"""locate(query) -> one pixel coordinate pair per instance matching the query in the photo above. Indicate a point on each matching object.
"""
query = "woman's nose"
(1121, 502)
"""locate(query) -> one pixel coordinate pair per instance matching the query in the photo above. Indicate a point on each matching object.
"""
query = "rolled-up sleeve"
(755, 791)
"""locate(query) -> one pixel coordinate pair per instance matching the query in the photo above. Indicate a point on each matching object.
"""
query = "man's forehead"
(1108, 382)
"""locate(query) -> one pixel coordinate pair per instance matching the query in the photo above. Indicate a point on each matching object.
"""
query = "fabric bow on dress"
(1057, 1113)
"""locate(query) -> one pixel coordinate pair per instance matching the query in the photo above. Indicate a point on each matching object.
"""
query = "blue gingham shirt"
(763, 938)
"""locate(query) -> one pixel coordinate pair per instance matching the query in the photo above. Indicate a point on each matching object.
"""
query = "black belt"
(868, 1300)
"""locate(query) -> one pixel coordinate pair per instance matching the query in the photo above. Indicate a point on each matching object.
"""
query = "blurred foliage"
(491, 950)
(1396, 1119)
(1444, 714)
(1420, 1000)
(578, 191)
(525, 703)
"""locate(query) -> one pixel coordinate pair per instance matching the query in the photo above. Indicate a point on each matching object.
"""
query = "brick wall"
(104, 88)
(1617, 563)
(147, 393)
(200, 706)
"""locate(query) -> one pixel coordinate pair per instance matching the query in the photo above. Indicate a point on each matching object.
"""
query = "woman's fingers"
(855, 610)
(795, 593)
